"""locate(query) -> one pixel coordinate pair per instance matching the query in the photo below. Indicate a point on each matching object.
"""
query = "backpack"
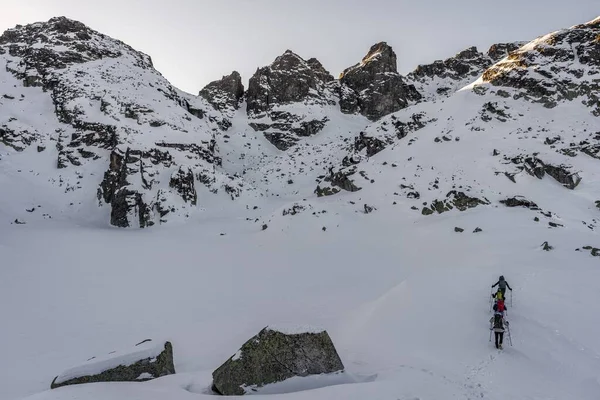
(498, 323)
(500, 305)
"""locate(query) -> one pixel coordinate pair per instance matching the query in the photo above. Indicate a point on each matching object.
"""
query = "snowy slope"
(355, 233)
(405, 300)
(119, 133)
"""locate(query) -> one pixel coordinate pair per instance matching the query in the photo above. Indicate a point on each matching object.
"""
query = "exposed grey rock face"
(520, 201)
(454, 199)
(336, 180)
(273, 356)
(225, 94)
(319, 70)
(137, 366)
(538, 168)
(183, 181)
(376, 87)
(498, 51)
(444, 77)
(35, 63)
(550, 69)
(129, 207)
(288, 80)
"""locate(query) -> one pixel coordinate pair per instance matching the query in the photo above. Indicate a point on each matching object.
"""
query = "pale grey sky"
(193, 42)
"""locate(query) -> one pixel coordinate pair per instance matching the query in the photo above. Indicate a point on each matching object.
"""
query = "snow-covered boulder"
(145, 362)
(274, 355)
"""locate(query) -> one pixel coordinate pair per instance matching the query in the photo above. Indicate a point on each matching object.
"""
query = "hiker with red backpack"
(499, 305)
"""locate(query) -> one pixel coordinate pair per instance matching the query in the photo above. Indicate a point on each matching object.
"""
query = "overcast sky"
(193, 42)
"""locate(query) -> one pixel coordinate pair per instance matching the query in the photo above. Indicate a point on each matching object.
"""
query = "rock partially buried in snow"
(145, 362)
(274, 355)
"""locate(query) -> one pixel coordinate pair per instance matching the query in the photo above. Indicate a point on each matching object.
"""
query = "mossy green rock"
(146, 368)
(273, 356)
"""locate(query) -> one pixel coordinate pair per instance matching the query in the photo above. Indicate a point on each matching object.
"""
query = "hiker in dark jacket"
(498, 324)
(502, 285)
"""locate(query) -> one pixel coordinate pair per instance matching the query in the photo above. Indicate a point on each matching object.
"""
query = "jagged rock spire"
(224, 94)
(376, 87)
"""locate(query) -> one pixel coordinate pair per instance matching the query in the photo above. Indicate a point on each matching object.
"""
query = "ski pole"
(511, 302)
(509, 337)
(490, 298)
(490, 334)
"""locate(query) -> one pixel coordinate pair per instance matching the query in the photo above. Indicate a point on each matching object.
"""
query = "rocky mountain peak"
(318, 68)
(289, 61)
(558, 66)
(375, 86)
(33, 33)
(468, 54)
(226, 93)
(443, 77)
(42, 47)
(380, 58)
(288, 79)
(500, 50)
(273, 89)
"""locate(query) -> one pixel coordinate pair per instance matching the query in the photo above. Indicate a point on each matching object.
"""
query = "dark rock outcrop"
(376, 87)
(454, 199)
(547, 247)
(444, 77)
(183, 182)
(534, 166)
(138, 366)
(498, 51)
(594, 251)
(561, 173)
(225, 94)
(127, 206)
(289, 79)
(549, 70)
(273, 356)
(336, 180)
(520, 201)
(371, 145)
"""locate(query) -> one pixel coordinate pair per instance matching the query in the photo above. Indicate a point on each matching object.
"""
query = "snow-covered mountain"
(101, 129)
(123, 137)
(378, 205)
